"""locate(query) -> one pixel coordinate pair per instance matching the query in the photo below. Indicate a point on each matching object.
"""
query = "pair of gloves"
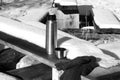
(73, 69)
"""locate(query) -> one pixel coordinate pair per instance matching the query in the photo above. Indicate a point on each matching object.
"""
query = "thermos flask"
(51, 34)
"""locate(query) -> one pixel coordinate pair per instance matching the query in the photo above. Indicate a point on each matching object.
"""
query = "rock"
(4, 76)
(9, 59)
(26, 61)
(112, 49)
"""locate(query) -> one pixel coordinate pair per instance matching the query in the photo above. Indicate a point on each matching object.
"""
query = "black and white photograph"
(59, 39)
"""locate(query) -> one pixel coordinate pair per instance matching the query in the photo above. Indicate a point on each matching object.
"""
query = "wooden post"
(55, 74)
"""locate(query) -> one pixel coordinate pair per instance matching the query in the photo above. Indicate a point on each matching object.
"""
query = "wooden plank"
(27, 49)
(17, 44)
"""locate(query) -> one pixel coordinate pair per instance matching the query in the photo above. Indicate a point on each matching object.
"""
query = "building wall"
(67, 20)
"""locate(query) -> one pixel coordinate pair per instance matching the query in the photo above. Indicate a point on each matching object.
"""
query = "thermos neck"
(51, 17)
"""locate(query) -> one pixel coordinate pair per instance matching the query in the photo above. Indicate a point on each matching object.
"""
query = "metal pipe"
(51, 34)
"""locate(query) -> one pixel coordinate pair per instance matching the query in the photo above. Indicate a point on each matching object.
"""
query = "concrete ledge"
(105, 19)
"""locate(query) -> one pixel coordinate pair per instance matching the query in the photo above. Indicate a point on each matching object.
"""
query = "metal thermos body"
(51, 34)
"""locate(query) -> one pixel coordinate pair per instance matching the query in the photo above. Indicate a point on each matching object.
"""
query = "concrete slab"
(105, 19)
